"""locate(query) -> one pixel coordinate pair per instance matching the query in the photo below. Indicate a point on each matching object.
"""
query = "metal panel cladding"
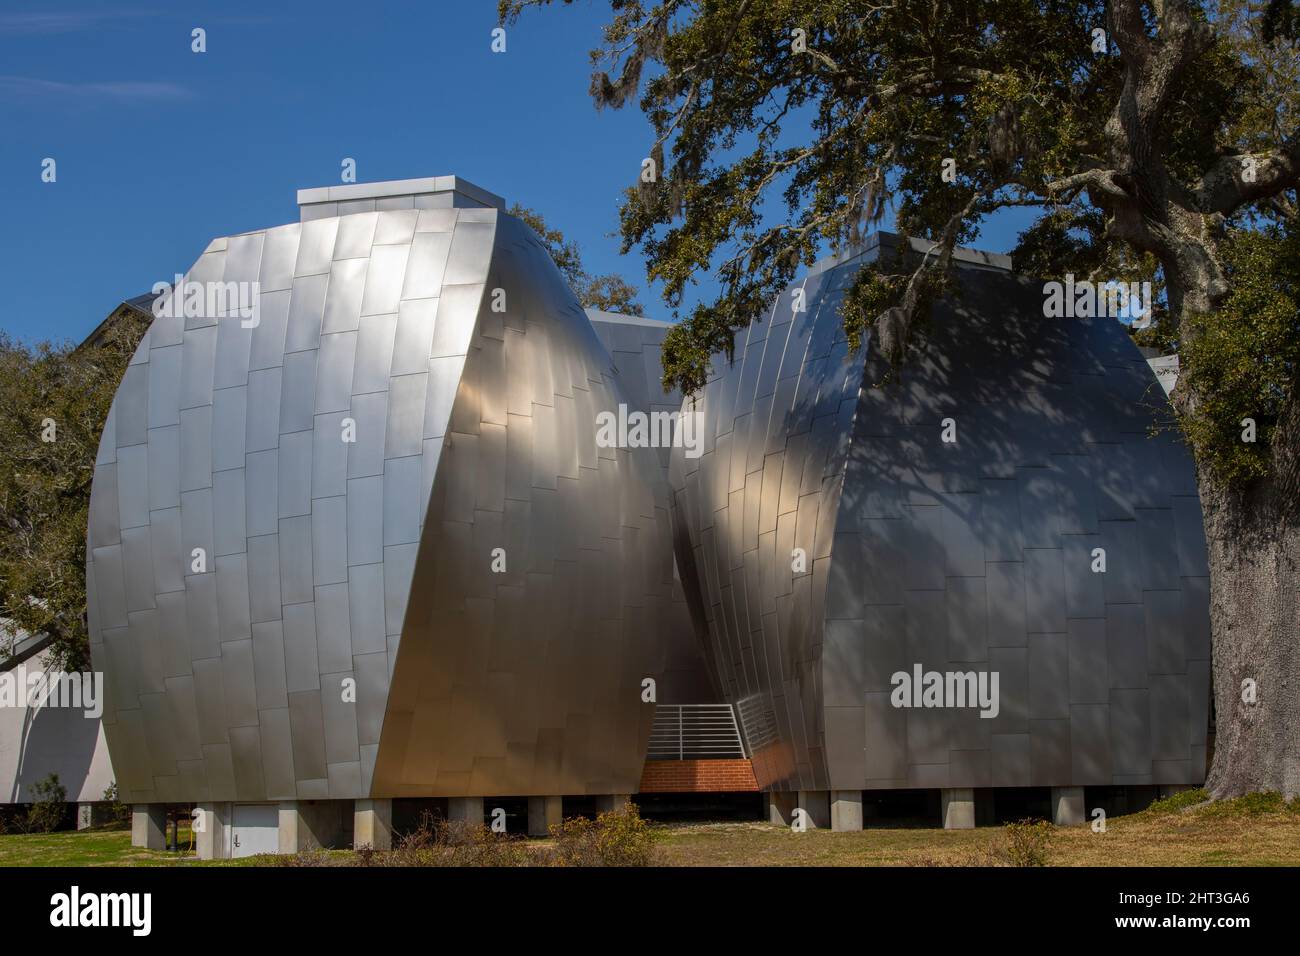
(976, 555)
(636, 346)
(419, 390)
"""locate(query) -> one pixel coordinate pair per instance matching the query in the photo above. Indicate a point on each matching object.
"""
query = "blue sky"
(160, 149)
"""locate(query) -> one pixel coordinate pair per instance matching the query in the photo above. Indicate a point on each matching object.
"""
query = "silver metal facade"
(635, 344)
(969, 556)
(331, 561)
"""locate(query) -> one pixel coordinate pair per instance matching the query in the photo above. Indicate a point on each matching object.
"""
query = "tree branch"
(1225, 188)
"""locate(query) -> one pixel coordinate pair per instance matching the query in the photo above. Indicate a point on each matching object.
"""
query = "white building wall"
(36, 741)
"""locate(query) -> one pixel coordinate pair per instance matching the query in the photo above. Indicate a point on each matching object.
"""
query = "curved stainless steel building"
(364, 545)
(353, 538)
(952, 525)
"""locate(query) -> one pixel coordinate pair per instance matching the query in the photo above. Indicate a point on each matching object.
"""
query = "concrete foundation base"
(1068, 809)
(148, 826)
(816, 805)
(846, 810)
(465, 810)
(544, 813)
(609, 803)
(958, 806)
(372, 824)
(780, 807)
(209, 822)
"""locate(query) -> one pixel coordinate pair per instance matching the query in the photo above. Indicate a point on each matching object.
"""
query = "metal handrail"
(695, 732)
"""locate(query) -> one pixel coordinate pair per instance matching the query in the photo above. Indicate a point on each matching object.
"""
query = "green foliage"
(830, 136)
(1073, 240)
(880, 287)
(786, 129)
(45, 485)
(49, 805)
(617, 838)
(119, 812)
(1252, 805)
(1281, 19)
(1179, 801)
(1263, 803)
(612, 293)
(872, 292)
(1026, 842)
(1243, 360)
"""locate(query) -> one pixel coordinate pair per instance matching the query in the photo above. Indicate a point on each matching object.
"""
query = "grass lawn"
(76, 848)
(97, 847)
(1259, 830)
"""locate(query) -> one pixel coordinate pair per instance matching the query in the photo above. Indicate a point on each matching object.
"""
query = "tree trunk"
(1254, 555)
(1252, 537)
(1253, 534)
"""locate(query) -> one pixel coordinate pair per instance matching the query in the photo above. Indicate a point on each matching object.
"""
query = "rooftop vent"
(435, 192)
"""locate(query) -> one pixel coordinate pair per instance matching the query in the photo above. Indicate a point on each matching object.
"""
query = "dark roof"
(142, 304)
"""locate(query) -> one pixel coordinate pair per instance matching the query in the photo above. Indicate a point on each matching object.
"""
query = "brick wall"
(698, 776)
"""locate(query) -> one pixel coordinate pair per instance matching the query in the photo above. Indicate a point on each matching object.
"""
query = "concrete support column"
(148, 826)
(780, 807)
(87, 816)
(544, 813)
(958, 808)
(816, 805)
(1067, 806)
(610, 802)
(209, 825)
(846, 810)
(465, 810)
(291, 840)
(372, 824)
(311, 824)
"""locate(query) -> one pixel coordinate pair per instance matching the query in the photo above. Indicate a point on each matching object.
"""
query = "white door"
(255, 829)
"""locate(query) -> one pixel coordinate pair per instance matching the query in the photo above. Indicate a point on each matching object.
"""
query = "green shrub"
(1026, 842)
(49, 806)
(1179, 801)
(617, 838)
(119, 813)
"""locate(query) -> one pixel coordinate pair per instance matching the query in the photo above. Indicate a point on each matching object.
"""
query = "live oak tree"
(611, 293)
(54, 400)
(1153, 139)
